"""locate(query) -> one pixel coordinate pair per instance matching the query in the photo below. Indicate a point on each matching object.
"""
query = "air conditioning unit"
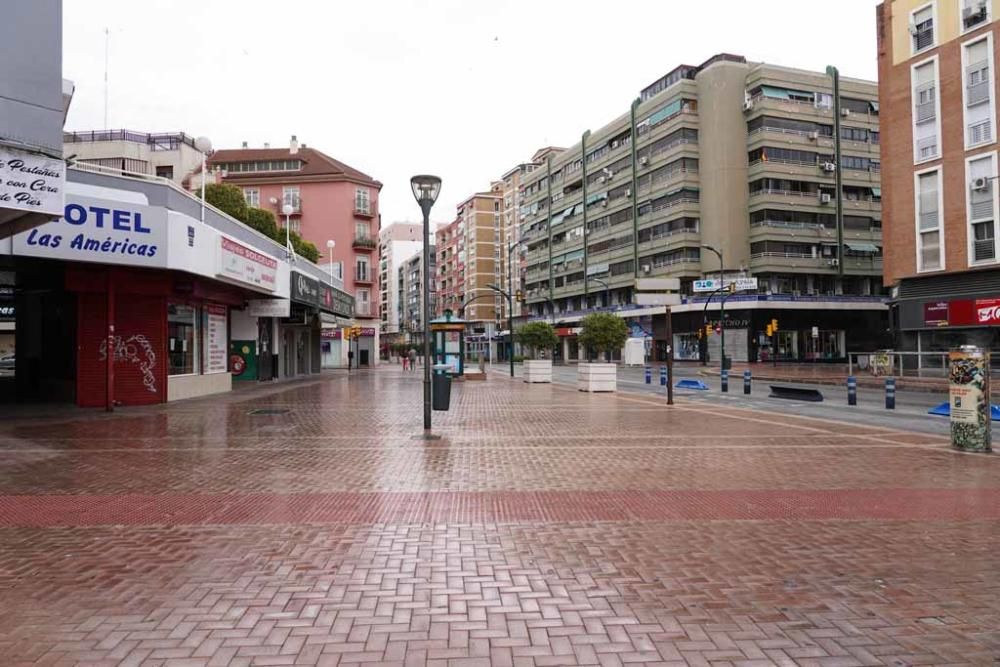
(604, 203)
(828, 166)
(845, 112)
(748, 105)
(833, 262)
(980, 184)
(601, 179)
(646, 268)
(814, 135)
(913, 28)
(628, 192)
(825, 197)
(644, 160)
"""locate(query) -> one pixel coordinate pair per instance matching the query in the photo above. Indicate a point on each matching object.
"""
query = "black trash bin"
(441, 389)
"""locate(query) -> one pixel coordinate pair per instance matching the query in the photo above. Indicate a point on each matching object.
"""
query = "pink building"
(331, 202)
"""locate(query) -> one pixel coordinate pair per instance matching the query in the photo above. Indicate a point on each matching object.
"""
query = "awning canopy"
(862, 247)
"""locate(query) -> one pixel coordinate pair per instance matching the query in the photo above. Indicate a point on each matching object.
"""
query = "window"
(362, 297)
(981, 175)
(922, 27)
(361, 230)
(252, 195)
(926, 124)
(974, 13)
(182, 339)
(361, 268)
(979, 107)
(930, 240)
(290, 195)
(166, 171)
(362, 200)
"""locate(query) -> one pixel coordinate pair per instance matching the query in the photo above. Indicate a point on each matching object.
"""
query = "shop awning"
(862, 247)
(877, 192)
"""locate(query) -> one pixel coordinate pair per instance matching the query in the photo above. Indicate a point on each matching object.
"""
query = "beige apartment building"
(738, 156)
(170, 155)
(937, 78)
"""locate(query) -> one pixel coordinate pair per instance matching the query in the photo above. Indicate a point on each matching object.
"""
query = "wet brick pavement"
(545, 527)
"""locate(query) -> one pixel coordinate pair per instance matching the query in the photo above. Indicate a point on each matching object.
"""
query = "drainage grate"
(269, 411)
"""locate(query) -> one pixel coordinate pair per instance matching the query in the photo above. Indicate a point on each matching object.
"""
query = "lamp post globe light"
(330, 245)
(204, 145)
(425, 190)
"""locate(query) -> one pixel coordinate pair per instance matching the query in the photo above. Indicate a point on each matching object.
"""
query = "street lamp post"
(203, 144)
(510, 322)
(607, 290)
(426, 189)
(287, 211)
(330, 245)
(722, 304)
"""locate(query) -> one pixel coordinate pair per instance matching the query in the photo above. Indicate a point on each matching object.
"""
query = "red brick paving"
(545, 528)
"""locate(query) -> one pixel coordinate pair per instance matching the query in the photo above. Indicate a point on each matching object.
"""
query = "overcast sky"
(464, 90)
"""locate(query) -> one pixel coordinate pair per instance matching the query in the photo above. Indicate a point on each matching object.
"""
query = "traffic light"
(774, 325)
(770, 331)
(519, 296)
(708, 329)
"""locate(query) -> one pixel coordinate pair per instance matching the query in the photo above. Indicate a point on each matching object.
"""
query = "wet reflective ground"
(545, 527)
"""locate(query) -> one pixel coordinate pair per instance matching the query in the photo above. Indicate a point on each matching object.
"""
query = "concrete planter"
(596, 377)
(538, 370)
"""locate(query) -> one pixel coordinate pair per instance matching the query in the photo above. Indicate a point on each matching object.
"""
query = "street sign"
(656, 299)
(712, 284)
(657, 284)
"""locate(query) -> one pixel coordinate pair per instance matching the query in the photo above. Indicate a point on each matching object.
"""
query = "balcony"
(364, 210)
(363, 278)
(363, 309)
(364, 243)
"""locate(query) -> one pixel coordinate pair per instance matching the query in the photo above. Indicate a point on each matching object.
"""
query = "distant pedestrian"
(413, 358)
(406, 362)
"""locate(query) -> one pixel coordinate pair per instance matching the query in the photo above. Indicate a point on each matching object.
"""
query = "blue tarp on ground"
(944, 410)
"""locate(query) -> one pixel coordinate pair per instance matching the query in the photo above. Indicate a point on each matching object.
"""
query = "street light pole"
(510, 306)
(330, 246)
(834, 74)
(607, 290)
(722, 304)
(203, 144)
(425, 190)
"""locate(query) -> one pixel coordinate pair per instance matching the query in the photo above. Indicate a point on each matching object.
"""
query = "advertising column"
(969, 397)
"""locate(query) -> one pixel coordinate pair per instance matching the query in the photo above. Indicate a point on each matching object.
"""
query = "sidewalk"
(312, 523)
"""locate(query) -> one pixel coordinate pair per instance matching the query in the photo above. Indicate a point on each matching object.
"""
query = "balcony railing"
(363, 209)
(364, 242)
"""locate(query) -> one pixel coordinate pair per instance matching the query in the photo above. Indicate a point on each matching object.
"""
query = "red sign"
(936, 314)
(988, 311)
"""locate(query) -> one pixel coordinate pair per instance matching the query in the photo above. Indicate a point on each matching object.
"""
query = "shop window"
(182, 339)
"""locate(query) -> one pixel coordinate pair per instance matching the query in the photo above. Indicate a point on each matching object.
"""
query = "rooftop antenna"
(107, 41)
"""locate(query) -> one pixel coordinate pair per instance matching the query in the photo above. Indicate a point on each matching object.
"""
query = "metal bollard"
(746, 382)
(852, 390)
(725, 380)
(663, 376)
(890, 393)
(649, 375)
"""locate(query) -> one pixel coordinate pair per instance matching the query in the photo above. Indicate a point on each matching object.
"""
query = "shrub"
(603, 332)
(263, 221)
(228, 198)
(537, 336)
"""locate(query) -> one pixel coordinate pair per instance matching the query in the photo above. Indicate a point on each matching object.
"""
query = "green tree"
(603, 332)
(537, 336)
(227, 198)
(263, 221)
(303, 248)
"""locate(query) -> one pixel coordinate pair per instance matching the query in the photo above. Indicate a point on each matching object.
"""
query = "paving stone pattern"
(545, 527)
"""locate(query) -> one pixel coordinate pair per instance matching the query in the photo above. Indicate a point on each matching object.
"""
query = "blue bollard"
(649, 375)
(746, 382)
(890, 393)
(852, 390)
(725, 381)
(663, 376)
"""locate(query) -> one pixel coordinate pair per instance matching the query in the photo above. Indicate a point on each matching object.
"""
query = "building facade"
(734, 155)
(330, 201)
(410, 286)
(510, 233)
(170, 155)
(397, 243)
(937, 77)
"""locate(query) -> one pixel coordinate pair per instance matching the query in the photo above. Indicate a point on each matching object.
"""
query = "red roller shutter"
(140, 350)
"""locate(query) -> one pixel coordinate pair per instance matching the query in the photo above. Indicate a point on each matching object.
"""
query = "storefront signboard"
(936, 314)
(31, 182)
(987, 311)
(245, 265)
(304, 289)
(333, 300)
(215, 339)
(97, 230)
(269, 307)
(968, 394)
(712, 284)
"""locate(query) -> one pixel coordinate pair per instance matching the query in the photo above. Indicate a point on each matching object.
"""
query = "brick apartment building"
(937, 87)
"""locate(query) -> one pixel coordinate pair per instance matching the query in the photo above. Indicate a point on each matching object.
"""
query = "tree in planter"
(537, 336)
(603, 332)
